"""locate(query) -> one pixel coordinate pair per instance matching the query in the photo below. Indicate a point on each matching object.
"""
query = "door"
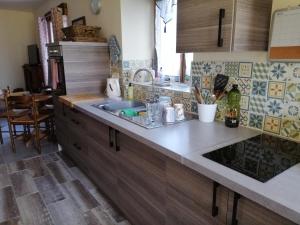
(198, 25)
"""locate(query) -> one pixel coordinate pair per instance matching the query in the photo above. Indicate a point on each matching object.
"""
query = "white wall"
(17, 31)
(137, 29)
(109, 18)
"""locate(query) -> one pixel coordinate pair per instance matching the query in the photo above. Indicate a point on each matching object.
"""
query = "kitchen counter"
(186, 143)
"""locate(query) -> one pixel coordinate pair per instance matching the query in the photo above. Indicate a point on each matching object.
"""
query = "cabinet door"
(198, 25)
(141, 184)
(102, 160)
(190, 197)
(251, 213)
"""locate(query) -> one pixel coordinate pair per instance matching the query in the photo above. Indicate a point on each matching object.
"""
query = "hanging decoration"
(166, 10)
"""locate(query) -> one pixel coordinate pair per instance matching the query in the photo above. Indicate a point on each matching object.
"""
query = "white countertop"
(186, 143)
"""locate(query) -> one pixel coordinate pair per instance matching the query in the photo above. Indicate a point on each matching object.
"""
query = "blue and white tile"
(196, 68)
(219, 68)
(279, 71)
(274, 107)
(261, 71)
(232, 69)
(244, 85)
(292, 110)
(295, 72)
(207, 68)
(259, 87)
(257, 104)
(256, 120)
(194, 107)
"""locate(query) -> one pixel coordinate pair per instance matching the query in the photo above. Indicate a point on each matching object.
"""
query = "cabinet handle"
(77, 146)
(75, 121)
(221, 17)
(117, 144)
(215, 208)
(236, 198)
(111, 139)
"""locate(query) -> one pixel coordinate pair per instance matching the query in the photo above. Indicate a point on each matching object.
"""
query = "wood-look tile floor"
(49, 189)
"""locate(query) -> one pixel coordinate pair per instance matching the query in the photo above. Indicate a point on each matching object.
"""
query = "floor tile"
(49, 189)
(36, 167)
(16, 166)
(66, 212)
(98, 217)
(33, 210)
(59, 171)
(16, 221)
(79, 175)
(8, 206)
(23, 183)
(4, 181)
(79, 194)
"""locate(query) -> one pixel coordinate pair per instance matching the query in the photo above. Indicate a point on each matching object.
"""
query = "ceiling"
(20, 4)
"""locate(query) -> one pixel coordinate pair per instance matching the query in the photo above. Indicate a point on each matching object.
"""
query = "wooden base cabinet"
(190, 198)
(147, 186)
(242, 211)
(141, 182)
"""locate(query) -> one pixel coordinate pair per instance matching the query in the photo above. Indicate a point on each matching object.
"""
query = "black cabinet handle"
(77, 146)
(117, 144)
(236, 198)
(111, 138)
(75, 121)
(221, 17)
(215, 208)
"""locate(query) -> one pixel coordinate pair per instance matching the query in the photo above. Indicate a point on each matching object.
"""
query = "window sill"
(174, 87)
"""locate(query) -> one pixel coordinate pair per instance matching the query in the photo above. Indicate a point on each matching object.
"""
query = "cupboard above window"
(223, 25)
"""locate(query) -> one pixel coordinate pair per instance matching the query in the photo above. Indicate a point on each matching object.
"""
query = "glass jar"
(232, 116)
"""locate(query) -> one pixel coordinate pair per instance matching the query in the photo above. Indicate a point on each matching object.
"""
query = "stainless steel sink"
(116, 107)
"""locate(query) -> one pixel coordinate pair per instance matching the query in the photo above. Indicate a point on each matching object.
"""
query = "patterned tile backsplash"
(270, 93)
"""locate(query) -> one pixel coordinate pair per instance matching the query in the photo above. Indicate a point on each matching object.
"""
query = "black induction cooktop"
(261, 157)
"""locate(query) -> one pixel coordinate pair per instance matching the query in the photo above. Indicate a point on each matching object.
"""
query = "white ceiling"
(20, 4)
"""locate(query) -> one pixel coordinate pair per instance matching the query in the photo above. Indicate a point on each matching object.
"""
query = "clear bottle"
(232, 116)
(130, 92)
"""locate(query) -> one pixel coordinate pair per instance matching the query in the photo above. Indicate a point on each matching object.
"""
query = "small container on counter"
(179, 112)
(169, 114)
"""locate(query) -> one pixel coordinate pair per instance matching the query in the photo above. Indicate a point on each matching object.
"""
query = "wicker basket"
(81, 31)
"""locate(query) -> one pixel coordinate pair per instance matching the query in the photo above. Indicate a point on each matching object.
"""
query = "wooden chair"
(30, 117)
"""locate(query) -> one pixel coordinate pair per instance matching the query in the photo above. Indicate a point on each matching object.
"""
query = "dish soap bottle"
(232, 116)
(130, 92)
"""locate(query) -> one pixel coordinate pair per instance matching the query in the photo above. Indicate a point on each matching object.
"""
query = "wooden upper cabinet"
(244, 27)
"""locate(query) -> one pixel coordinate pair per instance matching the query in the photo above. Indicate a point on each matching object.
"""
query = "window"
(169, 63)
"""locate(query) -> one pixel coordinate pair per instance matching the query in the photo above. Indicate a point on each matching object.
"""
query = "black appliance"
(33, 55)
(261, 157)
(56, 80)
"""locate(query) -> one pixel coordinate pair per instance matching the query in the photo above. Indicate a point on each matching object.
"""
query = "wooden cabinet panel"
(251, 213)
(141, 173)
(245, 26)
(198, 24)
(252, 25)
(192, 194)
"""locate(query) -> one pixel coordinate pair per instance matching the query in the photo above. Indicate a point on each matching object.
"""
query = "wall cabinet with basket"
(223, 25)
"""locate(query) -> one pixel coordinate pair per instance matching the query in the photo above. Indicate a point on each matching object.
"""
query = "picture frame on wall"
(79, 21)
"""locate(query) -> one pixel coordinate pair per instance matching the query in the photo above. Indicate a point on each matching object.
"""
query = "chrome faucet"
(149, 72)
